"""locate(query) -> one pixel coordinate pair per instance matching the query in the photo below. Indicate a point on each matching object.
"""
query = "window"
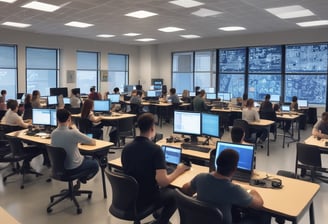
(205, 71)
(41, 69)
(8, 70)
(87, 71)
(118, 71)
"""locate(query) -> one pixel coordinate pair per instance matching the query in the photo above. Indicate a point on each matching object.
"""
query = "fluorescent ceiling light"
(186, 3)
(19, 25)
(205, 12)
(313, 23)
(78, 24)
(105, 35)
(41, 6)
(131, 34)
(8, 1)
(289, 12)
(141, 14)
(145, 39)
(190, 36)
(232, 28)
(170, 29)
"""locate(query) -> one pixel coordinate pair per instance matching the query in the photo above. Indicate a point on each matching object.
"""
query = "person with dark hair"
(245, 98)
(238, 135)
(216, 188)
(12, 118)
(93, 95)
(36, 99)
(3, 101)
(174, 98)
(116, 90)
(199, 104)
(266, 105)
(87, 112)
(67, 136)
(320, 129)
(293, 107)
(27, 107)
(144, 160)
(75, 99)
(135, 97)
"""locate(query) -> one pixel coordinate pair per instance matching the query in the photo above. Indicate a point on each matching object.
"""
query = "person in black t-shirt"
(144, 160)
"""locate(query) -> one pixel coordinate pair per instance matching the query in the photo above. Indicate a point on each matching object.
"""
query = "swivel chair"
(193, 211)
(57, 157)
(86, 127)
(124, 202)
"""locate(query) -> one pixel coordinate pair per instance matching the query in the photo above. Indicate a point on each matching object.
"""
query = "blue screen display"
(101, 105)
(264, 59)
(232, 60)
(261, 84)
(312, 88)
(232, 83)
(306, 58)
(211, 125)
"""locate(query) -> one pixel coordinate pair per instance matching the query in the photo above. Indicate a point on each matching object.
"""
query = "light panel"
(190, 36)
(41, 6)
(289, 12)
(105, 35)
(78, 24)
(131, 34)
(232, 28)
(186, 3)
(313, 23)
(141, 14)
(170, 29)
(205, 12)
(14, 24)
(145, 39)
(8, 1)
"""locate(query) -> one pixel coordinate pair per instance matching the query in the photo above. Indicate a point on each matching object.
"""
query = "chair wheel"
(4, 179)
(48, 180)
(49, 210)
(22, 187)
(51, 200)
(89, 196)
(79, 210)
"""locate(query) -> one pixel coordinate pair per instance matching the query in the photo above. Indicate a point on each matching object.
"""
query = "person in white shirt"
(12, 118)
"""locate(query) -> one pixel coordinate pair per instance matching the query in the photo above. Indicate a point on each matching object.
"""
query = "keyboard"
(195, 147)
(243, 177)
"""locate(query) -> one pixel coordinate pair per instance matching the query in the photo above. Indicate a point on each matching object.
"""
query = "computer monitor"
(53, 117)
(172, 154)
(187, 122)
(66, 100)
(151, 93)
(101, 105)
(41, 116)
(224, 96)
(52, 100)
(192, 93)
(245, 151)
(285, 108)
(129, 88)
(211, 96)
(211, 125)
(275, 98)
(58, 91)
(114, 98)
(302, 103)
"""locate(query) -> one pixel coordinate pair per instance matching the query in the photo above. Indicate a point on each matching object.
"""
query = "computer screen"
(232, 60)
(224, 96)
(114, 98)
(151, 93)
(129, 88)
(67, 100)
(101, 105)
(172, 154)
(302, 103)
(192, 93)
(285, 108)
(186, 122)
(265, 59)
(246, 154)
(52, 100)
(275, 98)
(58, 91)
(211, 96)
(53, 117)
(41, 116)
(211, 125)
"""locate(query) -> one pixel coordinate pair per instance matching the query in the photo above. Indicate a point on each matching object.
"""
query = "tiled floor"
(28, 206)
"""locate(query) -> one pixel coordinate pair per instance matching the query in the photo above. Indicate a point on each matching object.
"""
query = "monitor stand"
(193, 139)
(206, 141)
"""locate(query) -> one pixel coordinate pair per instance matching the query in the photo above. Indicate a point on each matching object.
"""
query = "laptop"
(285, 108)
(302, 104)
(245, 164)
(172, 157)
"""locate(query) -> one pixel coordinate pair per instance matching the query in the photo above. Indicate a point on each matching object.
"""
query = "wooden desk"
(6, 218)
(320, 143)
(113, 117)
(290, 202)
(290, 117)
(98, 151)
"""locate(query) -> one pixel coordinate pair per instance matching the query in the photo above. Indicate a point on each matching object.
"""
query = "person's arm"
(94, 118)
(164, 180)
(84, 139)
(257, 201)
(21, 123)
(187, 189)
(315, 129)
(257, 115)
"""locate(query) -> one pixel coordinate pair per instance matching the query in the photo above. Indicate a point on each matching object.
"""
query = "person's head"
(250, 103)
(237, 134)
(28, 99)
(185, 93)
(86, 108)
(202, 93)
(75, 92)
(267, 97)
(63, 115)
(146, 124)
(116, 90)
(172, 91)
(35, 94)
(227, 162)
(92, 89)
(324, 117)
(3, 92)
(12, 105)
(294, 99)
(134, 92)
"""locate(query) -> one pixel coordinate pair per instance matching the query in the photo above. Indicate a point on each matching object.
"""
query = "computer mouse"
(187, 163)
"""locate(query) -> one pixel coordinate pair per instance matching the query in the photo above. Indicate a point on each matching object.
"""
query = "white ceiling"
(108, 18)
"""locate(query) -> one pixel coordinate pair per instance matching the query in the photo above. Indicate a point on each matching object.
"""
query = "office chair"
(125, 128)
(2, 113)
(20, 153)
(124, 202)
(57, 157)
(308, 157)
(249, 137)
(86, 127)
(271, 115)
(193, 211)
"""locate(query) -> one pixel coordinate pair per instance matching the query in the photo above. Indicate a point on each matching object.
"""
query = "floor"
(28, 206)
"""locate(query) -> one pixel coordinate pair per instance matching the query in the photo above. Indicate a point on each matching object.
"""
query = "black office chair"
(125, 128)
(308, 157)
(27, 114)
(86, 127)
(57, 157)
(20, 153)
(2, 113)
(193, 211)
(249, 137)
(271, 115)
(124, 198)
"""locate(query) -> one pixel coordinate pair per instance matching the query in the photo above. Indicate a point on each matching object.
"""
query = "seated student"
(294, 108)
(238, 135)
(186, 96)
(320, 129)
(144, 160)
(135, 97)
(27, 107)
(266, 105)
(67, 137)
(174, 98)
(250, 115)
(216, 188)
(12, 118)
(36, 99)
(3, 100)
(75, 99)
(87, 112)
(93, 95)
(199, 104)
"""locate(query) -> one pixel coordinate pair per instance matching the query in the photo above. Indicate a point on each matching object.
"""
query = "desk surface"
(113, 116)
(314, 141)
(261, 122)
(6, 218)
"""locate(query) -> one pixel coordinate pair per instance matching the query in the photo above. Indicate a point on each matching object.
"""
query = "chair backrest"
(124, 195)
(27, 113)
(126, 127)
(308, 155)
(57, 158)
(85, 125)
(16, 145)
(193, 211)
(244, 125)
(268, 115)
(2, 113)
(136, 108)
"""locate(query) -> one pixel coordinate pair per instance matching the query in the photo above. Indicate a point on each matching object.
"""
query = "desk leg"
(102, 160)
(311, 214)
(284, 135)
